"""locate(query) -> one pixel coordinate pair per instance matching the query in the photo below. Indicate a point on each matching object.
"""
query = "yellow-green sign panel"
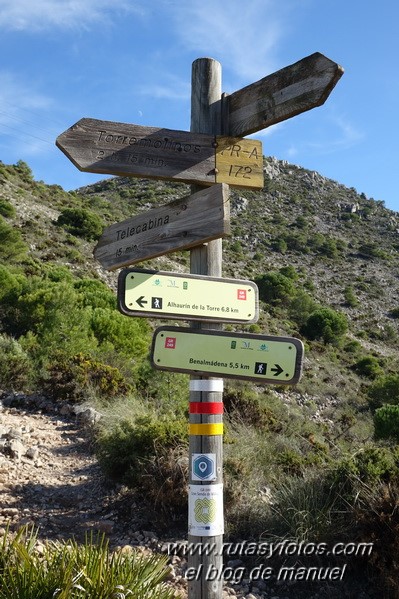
(261, 358)
(186, 296)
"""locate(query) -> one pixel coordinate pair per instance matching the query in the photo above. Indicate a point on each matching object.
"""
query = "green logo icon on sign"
(205, 510)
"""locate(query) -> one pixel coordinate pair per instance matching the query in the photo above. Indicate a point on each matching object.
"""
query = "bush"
(386, 422)
(15, 365)
(368, 366)
(127, 335)
(325, 324)
(81, 222)
(24, 170)
(245, 405)
(64, 570)
(301, 307)
(275, 288)
(384, 390)
(369, 466)
(350, 298)
(6, 209)
(12, 247)
(96, 294)
(305, 508)
(9, 284)
(147, 456)
(291, 462)
(73, 378)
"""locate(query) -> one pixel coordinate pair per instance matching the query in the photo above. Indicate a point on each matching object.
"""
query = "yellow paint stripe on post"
(214, 428)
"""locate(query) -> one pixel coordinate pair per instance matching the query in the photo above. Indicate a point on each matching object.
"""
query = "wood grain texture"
(239, 162)
(206, 118)
(107, 147)
(282, 95)
(182, 224)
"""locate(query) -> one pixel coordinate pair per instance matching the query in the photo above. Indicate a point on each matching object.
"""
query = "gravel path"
(50, 478)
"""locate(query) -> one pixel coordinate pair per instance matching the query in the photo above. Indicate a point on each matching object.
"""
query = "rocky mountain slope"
(308, 241)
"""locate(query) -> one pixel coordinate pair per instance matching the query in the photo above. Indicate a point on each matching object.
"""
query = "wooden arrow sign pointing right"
(282, 95)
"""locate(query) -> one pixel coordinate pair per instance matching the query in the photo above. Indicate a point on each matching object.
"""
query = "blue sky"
(130, 61)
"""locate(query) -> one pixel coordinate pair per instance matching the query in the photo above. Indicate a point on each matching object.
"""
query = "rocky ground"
(50, 478)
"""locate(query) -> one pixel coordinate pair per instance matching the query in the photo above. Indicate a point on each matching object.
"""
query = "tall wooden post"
(206, 394)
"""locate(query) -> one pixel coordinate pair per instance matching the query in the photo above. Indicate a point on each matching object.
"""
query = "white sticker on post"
(205, 510)
(206, 385)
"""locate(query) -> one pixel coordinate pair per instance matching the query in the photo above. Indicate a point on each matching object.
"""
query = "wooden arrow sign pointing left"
(180, 225)
(111, 148)
(108, 147)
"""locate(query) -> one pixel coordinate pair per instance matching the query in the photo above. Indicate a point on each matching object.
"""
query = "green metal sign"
(157, 294)
(260, 358)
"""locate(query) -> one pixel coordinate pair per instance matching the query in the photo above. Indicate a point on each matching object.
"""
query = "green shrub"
(24, 170)
(384, 390)
(325, 324)
(95, 294)
(66, 570)
(370, 466)
(275, 288)
(386, 422)
(245, 405)
(291, 462)
(72, 378)
(289, 272)
(124, 451)
(297, 242)
(150, 456)
(350, 297)
(301, 307)
(304, 510)
(10, 284)
(15, 365)
(81, 222)
(353, 347)
(12, 247)
(52, 311)
(6, 209)
(371, 250)
(368, 366)
(279, 245)
(127, 335)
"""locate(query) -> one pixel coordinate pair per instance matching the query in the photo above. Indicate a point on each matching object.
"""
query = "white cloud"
(349, 134)
(170, 88)
(243, 36)
(11, 89)
(37, 15)
(25, 124)
(343, 135)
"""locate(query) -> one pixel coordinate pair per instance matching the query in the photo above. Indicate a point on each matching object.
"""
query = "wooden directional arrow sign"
(182, 224)
(282, 95)
(158, 294)
(260, 358)
(120, 149)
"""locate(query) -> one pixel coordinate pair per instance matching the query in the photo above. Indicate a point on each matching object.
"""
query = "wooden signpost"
(158, 294)
(297, 88)
(211, 156)
(120, 149)
(182, 224)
